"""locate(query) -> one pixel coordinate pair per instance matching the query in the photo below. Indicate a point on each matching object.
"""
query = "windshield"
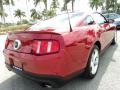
(60, 21)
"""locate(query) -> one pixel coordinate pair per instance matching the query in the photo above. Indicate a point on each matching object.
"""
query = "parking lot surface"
(108, 76)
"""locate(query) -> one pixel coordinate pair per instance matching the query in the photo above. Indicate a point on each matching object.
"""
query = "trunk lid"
(23, 40)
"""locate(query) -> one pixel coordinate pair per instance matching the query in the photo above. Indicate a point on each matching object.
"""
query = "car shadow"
(18, 83)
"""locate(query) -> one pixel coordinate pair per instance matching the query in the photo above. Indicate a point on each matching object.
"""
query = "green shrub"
(24, 21)
(13, 28)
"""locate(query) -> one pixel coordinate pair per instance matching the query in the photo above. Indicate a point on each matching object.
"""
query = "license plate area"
(16, 64)
(17, 68)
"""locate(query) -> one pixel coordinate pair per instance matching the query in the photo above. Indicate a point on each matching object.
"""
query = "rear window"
(60, 21)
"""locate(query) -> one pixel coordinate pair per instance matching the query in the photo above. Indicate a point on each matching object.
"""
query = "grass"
(13, 28)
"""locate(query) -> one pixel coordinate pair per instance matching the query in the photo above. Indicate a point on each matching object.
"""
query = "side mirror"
(110, 20)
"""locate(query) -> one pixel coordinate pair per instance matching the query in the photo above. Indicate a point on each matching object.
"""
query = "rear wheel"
(93, 63)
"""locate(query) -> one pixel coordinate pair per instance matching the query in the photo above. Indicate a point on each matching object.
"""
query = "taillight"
(6, 43)
(41, 47)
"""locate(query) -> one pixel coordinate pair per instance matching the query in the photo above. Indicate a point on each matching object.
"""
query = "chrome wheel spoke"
(94, 61)
(92, 65)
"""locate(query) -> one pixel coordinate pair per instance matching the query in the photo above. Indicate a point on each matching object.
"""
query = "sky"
(81, 5)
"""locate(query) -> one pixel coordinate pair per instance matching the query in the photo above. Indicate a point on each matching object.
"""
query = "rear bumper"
(41, 65)
(39, 78)
(56, 68)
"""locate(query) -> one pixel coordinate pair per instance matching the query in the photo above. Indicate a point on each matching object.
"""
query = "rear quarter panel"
(78, 45)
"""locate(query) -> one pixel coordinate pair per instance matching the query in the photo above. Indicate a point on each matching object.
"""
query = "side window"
(99, 18)
(106, 16)
(88, 20)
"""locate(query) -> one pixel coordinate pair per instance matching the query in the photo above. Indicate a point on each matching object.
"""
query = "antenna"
(69, 20)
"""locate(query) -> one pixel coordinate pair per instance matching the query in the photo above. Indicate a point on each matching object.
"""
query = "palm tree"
(5, 2)
(45, 3)
(111, 5)
(66, 2)
(118, 8)
(36, 2)
(3, 14)
(2, 11)
(64, 8)
(28, 13)
(73, 1)
(54, 4)
(35, 15)
(107, 5)
(9, 2)
(18, 13)
(96, 3)
(1, 5)
(50, 13)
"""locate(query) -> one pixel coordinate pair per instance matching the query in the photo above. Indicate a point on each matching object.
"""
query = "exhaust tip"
(46, 85)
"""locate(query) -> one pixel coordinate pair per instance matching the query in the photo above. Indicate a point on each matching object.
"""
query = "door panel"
(75, 46)
(111, 32)
(102, 34)
(105, 28)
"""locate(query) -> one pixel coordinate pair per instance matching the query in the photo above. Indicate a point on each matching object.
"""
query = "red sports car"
(58, 49)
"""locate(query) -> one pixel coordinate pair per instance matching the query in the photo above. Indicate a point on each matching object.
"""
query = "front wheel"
(93, 63)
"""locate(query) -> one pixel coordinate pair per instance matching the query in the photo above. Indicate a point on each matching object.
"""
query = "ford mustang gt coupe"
(55, 50)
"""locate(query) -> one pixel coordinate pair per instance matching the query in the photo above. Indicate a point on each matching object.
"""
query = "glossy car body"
(73, 50)
(115, 17)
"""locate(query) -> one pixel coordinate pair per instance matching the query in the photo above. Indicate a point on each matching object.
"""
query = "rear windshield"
(60, 21)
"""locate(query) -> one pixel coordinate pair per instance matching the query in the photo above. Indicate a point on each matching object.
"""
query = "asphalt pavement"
(108, 76)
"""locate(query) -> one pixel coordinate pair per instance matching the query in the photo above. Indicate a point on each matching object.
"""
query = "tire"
(113, 41)
(93, 64)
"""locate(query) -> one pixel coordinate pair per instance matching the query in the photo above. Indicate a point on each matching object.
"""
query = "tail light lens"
(6, 43)
(40, 47)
